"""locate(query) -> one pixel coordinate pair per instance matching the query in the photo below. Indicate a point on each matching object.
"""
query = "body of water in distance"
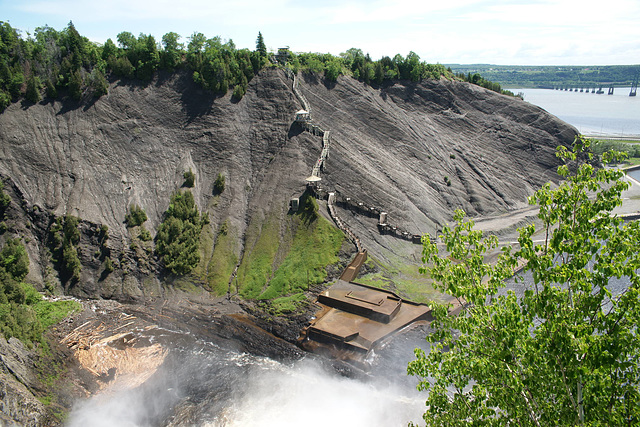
(594, 115)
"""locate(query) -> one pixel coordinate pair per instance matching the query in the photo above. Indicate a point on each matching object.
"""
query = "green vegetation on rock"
(64, 238)
(566, 351)
(24, 314)
(178, 235)
(314, 245)
(287, 304)
(218, 185)
(64, 63)
(5, 199)
(136, 216)
(189, 178)
(256, 267)
(223, 260)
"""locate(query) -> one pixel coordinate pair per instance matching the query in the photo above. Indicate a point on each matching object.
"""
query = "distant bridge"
(599, 88)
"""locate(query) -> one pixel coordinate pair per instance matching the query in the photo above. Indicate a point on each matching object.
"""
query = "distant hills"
(550, 76)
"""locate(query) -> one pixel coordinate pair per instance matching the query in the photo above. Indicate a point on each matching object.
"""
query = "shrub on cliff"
(23, 312)
(218, 185)
(189, 178)
(14, 259)
(178, 235)
(136, 216)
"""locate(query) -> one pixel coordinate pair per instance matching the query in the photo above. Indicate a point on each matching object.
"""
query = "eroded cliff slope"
(414, 150)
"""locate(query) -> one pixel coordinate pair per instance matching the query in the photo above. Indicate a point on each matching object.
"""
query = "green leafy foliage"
(66, 63)
(218, 185)
(566, 351)
(178, 235)
(136, 216)
(33, 94)
(477, 79)
(219, 66)
(314, 245)
(65, 237)
(145, 235)
(5, 199)
(602, 147)
(14, 259)
(189, 178)
(24, 314)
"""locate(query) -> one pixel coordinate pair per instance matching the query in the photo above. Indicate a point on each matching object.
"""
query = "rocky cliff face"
(414, 150)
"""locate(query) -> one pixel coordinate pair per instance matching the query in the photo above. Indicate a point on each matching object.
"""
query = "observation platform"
(357, 317)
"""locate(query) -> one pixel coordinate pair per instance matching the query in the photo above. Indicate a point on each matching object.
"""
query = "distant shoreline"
(611, 137)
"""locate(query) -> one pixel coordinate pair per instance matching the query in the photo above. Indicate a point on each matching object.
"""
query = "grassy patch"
(257, 263)
(315, 245)
(406, 281)
(278, 265)
(286, 305)
(205, 247)
(28, 319)
(632, 161)
(223, 260)
(184, 284)
(51, 312)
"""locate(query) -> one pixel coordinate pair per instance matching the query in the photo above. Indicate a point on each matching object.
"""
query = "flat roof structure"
(357, 317)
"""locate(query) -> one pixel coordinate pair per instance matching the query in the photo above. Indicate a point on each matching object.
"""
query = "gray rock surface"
(18, 405)
(392, 148)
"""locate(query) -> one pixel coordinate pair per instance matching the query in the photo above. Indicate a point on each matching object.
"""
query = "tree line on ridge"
(54, 64)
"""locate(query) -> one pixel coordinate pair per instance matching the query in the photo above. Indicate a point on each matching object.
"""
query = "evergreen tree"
(109, 50)
(99, 83)
(260, 46)
(33, 89)
(75, 85)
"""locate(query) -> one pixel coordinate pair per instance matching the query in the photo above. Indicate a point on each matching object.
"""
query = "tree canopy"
(565, 351)
(53, 64)
(178, 235)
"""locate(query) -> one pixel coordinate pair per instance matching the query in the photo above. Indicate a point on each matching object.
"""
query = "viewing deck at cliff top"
(357, 317)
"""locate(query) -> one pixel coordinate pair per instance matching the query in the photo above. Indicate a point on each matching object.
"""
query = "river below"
(205, 381)
(595, 115)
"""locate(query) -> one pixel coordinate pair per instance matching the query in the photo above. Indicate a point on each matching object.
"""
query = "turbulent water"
(206, 385)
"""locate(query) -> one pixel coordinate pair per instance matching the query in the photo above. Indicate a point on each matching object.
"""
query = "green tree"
(171, 56)
(136, 216)
(98, 83)
(14, 259)
(219, 184)
(261, 48)
(333, 69)
(566, 351)
(189, 178)
(75, 85)
(33, 89)
(177, 240)
(109, 50)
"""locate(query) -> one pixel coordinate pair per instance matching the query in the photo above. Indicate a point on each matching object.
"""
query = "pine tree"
(260, 46)
(33, 89)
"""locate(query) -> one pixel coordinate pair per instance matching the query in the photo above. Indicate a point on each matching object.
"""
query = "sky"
(504, 32)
